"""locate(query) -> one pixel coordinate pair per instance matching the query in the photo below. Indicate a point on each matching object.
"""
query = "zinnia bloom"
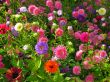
(14, 74)
(76, 70)
(89, 78)
(84, 37)
(3, 28)
(41, 48)
(51, 66)
(60, 52)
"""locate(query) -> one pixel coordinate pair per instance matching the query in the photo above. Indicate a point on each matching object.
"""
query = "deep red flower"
(99, 17)
(14, 74)
(3, 28)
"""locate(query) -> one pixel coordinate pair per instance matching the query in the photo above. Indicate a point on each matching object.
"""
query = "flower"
(59, 32)
(51, 66)
(79, 55)
(77, 34)
(14, 74)
(41, 32)
(49, 3)
(36, 11)
(65, 70)
(41, 48)
(84, 37)
(31, 8)
(43, 39)
(60, 52)
(58, 5)
(59, 12)
(103, 53)
(4, 28)
(81, 18)
(2, 65)
(23, 9)
(18, 27)
(26, 47)
(89, 78)
(14, 32)
(76, 70)
(102, 11)
(62, 21)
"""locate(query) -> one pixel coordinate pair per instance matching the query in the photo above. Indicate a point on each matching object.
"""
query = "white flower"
(70, 28)
(23, 9)
(59, 12)
(26, 47)
(50, 18)
(18, 27)
(102, 11)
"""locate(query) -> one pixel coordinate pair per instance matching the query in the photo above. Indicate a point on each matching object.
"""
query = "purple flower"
(64, 70)
(41, 48)
(81, 18)
(14, 32)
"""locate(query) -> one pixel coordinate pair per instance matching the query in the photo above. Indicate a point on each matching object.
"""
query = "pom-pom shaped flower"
(51, 66)
(14, 74)
(84, 37)
(76, 70)
(41, 48)
(60, 52)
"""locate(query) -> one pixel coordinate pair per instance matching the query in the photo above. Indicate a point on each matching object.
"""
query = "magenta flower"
(76, 70)
(84, 37)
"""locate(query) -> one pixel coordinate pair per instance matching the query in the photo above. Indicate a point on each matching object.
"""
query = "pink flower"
(36, 11)
(51, 16)
(60, 52)
(7, 2)
(59, 32)
(89, 78)
(2, 65)
(49, 3)
(1, 58)
(58, 5)
(87, 65)
(81, 12)
(31, 8)
(77, 34)
(75, 14)
(96, 59)
(76, 70)
(79, 55)
(103, 54)
(43, 39)
(85, 3)
(84, 37)
(41, 32)
(62, 21)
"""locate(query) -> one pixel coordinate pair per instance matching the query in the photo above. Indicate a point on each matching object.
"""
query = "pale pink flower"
(79, 55)
(96, 59)
(60, 52)
(103, 53)
(77, 34)
(76, 70)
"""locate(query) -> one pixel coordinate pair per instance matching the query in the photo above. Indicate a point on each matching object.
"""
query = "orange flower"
(51, 66)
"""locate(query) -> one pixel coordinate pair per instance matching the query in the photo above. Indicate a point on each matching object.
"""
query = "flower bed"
(54, 41)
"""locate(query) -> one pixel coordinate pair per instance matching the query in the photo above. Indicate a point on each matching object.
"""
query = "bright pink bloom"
(89, 78)
(31, 8)
(2, 65)
(43, 39)
(62, 21)
(7, 2)
(4, 28)
(59, 32)
(96, 59)
(36, 11)
(58, 5)
(79, 55)
(103, 54)
(87, 65)
(77, 35)
(49, 3)
(84, 37)
(41, 32)
(60, 52)
(75, 14)
(1, 58)
(81, 12)
(76, 70)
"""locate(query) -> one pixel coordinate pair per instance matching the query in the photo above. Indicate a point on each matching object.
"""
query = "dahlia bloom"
(76, 70)
(4, 28)
(59, 32)
(84, 37)
(89, 78)
(79, 55)
(51, 66)
(14, 74)
(41, 48)
(60, 52)
(58, 5)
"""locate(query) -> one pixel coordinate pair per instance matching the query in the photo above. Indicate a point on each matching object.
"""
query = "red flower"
(99, 18)
(3, 28)
(14, 74)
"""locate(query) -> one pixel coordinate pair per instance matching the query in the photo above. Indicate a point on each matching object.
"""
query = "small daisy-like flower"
(102, 11)
(59, 32)
(76, 70)
(60, 52)
(18, 27)
(14, 74)
(51, 66)
(41, 48)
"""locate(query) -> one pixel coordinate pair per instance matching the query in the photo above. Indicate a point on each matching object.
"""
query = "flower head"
(84, 37)
(76, 70)
(41, 48)
(102, 11)
(59, 32)
(60, 52)
(51, 66)
(14, 74)
(18, 27)
(4, 28)
(89, 78)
